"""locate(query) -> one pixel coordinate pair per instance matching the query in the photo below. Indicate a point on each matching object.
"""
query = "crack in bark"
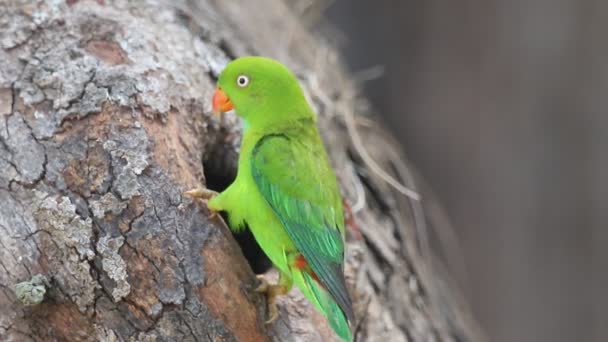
(6, 328)
(142, 254)
(13, 104)
(34, 233)
(35, 182)
(131, 222)
(78, 99)
(42, 174)
(190, 330)
(152, 319)
(180, 259)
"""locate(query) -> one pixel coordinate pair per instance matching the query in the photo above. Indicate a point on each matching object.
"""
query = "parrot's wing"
(298, 183)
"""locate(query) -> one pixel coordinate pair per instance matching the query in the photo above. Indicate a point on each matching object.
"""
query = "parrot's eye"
(242, 81)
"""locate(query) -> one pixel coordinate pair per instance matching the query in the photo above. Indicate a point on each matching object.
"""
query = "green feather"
(306, 199)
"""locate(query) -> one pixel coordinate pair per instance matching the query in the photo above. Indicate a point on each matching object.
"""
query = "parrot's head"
(262, 91)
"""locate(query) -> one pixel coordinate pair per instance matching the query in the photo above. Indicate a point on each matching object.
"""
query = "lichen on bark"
(31, 292)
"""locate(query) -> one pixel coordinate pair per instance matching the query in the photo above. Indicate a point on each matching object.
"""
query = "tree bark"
(105, 121)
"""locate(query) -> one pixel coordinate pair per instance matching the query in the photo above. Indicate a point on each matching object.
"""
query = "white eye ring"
(242, 81)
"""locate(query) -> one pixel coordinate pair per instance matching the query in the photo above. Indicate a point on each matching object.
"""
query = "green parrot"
(285, 189)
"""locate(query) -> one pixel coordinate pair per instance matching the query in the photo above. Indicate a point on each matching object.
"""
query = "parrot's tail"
(326, 305)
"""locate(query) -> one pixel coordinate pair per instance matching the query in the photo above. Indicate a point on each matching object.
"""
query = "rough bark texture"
(104, 121)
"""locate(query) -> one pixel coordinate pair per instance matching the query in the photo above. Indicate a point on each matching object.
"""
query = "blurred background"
(502, 106)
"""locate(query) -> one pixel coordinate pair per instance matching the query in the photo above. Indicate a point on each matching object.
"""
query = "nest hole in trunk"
(220, 167)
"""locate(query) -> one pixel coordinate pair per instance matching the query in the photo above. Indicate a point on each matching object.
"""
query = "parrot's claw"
(204, 194)
(273, 312)
(264, 285)
(271, 292)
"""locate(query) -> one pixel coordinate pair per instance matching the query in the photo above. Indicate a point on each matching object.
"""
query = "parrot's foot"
(272, 291)
(204, 194)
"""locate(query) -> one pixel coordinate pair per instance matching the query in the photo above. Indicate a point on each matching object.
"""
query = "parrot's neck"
(272, 114)
(279, 127)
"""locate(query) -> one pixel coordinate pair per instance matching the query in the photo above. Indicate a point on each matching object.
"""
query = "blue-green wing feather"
(295, 178)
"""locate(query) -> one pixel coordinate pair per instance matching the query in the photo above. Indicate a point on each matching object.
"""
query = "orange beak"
(221, 102)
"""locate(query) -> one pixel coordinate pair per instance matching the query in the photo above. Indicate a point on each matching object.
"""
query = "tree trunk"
(104, 122)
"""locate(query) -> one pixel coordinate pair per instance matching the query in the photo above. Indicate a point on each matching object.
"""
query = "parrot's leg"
(272, 291)
(204, 194)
